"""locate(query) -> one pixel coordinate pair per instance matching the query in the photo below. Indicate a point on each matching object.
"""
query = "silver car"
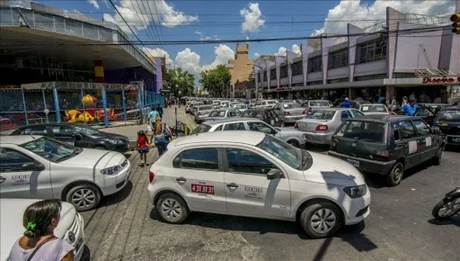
(221, 114)
(316, 104)
(373, 109)
(290, 112)
(202, 112)
(289, 135)
(320, 125)
(241, 107)
(266, 104)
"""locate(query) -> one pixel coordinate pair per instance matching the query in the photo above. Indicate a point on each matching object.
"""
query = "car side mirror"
(274, 174)
(35, 166)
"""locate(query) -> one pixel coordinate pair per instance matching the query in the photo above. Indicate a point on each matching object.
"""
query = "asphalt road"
(125, 226)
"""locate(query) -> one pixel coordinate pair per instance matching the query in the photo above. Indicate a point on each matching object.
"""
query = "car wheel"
(438, 157)
(396, 174)
(84, 197)
(294, 143)
(172, 208)
(321, 219)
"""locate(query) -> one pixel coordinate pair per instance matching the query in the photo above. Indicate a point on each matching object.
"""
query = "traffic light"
(455, 23)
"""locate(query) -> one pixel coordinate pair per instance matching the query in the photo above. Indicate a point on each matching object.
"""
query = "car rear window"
(449, 115)
(363, 130)
(291, 105)
(319, 103)
(253, 114)
(217, 114)
(374, 108)
(204, 108)
(201, 128)
(321, 115)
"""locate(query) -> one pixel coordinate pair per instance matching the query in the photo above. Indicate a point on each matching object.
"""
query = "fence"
(99, 105)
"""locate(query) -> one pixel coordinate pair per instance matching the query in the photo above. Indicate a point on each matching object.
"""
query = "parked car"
(222, 114)
(195, 106)
(224, 104)
(355, 104)
(387, 145)
(202, 112)
(320, 124)
(289, 135)
(40, 167)
(267, 115)
(447, 121)
(241, 107)
(268, 104)
(70, 227)
(429, 110)
(373, 109)
(189, 106)
(258, 176)
(289, 112)
(316, 104)
(79, 135)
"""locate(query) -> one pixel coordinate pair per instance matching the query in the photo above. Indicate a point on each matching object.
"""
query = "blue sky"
(224, 19)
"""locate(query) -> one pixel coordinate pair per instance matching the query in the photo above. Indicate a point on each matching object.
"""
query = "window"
(321, 115)
(261, 127)
(51, 149)
(297, 68)
(422, 128)
(237, 113)
(362, 130)
(282, 151)
(62, 131)
(201, 128)
(12, 160)
(406, 130)
(197, 159)
(357, 113)
(273, 74)
(372, 51)
(345, 115)
(374, 108)
(35, 130)
(217, 114)
(315, 64)
(283, 71)
(265, 76)
(234, 126)
(269, 114)
(243, 161)
(338, 59)
(219, 128)
(396, 132)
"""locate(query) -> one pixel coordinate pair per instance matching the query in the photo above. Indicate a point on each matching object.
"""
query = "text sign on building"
(441, 79)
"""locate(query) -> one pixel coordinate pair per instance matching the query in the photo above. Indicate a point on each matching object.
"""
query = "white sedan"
(257, 176)
(40, 167)
(71, 225)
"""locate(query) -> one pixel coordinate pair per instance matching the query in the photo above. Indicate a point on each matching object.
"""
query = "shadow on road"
(117, 197)
(455, 220)
(86, 256)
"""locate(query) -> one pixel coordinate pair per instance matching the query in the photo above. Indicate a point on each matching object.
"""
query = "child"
(142, 147)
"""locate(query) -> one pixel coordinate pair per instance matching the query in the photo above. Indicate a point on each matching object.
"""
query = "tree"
(216, 81)
(180, 80)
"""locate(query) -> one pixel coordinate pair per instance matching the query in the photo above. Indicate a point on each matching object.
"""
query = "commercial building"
(240, 69)
(403, 55)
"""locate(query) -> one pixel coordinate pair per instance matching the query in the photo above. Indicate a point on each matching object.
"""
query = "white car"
(40, 167)
(257, 176)
(71, 226)
(266, 104)
(373, 109)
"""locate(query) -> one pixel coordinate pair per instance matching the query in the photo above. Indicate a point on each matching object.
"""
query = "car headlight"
(356, 191)
(112, 170)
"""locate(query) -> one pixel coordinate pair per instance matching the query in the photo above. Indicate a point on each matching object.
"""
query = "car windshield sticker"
(203, 189)
(21, 179)
(412, 147)
(428, 141)
(365, 108)
(253, 192)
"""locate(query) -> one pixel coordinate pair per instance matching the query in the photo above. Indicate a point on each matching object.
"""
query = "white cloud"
(188, 60)
(252, 18)
(359, 10)
(140, 14)
(223, 54)
(158, 52)
(207, 37)
(256, 55)
(282, 50)
(94, 3)
(295, 48)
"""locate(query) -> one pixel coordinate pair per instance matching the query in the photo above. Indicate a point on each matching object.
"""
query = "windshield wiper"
(75, 152)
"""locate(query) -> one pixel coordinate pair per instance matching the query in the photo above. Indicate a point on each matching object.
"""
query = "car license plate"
(353, 162)
(456, 140)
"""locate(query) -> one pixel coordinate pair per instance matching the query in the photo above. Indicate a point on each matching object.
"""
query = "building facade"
(402, 56)
(241, 70)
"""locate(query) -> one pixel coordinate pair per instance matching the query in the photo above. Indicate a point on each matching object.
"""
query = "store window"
(297, 68)
(372, 51)
(315, 64)
(283, 72)
(273, 74)
(265, 76)
(338, 59)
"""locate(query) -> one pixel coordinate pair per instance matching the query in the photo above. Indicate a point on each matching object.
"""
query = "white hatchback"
(257, 175)
(40, 167)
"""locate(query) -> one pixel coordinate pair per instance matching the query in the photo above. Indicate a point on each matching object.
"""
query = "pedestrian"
(142, 147)
(38, 242)
(158, 130)
(410, 108)
(345, 103)
(153, 115)
(149, 133)
(404, 101)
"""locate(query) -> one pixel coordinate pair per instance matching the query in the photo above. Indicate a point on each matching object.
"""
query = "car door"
(425, 140)
(248, 191)
(64, 133)
(17, 181)
(200, 178)
(408, 144)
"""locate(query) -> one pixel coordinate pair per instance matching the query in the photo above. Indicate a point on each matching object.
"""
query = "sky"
(238, 19)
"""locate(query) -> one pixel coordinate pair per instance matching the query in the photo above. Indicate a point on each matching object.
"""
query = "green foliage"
(216, 81)
(180, 80)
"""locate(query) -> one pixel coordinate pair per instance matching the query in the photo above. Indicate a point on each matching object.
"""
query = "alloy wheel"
(83, 198)
(323, 221)
(171, 210)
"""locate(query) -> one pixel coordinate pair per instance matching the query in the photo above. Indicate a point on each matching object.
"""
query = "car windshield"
(86, 130)
(374, 108)
(217, 114)
(321, 115)
(319, 103)
(291, 105)
(253, 114)
(449, 115)
(283, 151)
(201, 128)
(51, 150)
(363, 130)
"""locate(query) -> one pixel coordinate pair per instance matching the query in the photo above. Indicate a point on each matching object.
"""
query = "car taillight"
(383, 153)
(321, 127)
(296, 125)
(287, 113)
(151, 176)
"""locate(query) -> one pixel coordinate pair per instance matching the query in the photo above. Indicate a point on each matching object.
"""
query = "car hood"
(91, 157)
(11, 222)
(334, 171)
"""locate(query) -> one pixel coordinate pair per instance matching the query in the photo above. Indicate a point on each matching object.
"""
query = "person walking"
(38, 242)
(142, 147)
(410, 108)
(153, 115)
(345, 103)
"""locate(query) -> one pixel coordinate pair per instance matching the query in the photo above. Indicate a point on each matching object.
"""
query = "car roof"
(19, 139)
(250, 138)
(53, 124)
(450, 108)
(258, 109)
(384, 118)
(230, 119)
(334, 109)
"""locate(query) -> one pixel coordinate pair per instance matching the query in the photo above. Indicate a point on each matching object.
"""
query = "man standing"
(410, 108)
(345, 104)
(153, 115)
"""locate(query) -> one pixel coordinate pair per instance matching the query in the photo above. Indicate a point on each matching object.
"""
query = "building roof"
(250, 138)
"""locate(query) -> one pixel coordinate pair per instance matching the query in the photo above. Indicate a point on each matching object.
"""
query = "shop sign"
(441, 79)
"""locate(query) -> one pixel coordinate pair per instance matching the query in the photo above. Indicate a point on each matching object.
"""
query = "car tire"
(437, 158)
(321, 219)
(172, 209)
(294, 143)
(396, 174)
(84, 197)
